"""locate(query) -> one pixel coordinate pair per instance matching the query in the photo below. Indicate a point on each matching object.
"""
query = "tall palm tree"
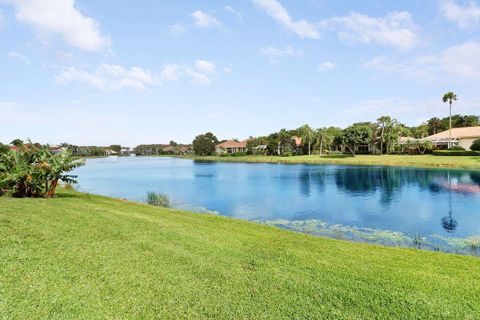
(450, 97)
(382, 124)
(307, 136)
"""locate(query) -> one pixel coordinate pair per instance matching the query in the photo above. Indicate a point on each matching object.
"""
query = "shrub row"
(455, 153)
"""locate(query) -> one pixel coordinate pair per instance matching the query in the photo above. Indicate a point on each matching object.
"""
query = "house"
(125, 151)
(462, 137)
(231, 146)
(55, 149)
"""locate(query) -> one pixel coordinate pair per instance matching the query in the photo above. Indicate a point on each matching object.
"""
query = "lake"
(432, 208)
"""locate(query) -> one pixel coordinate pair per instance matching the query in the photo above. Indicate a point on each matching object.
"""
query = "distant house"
(55, 149)
(125, 151)
(462, 137)
(231, 146)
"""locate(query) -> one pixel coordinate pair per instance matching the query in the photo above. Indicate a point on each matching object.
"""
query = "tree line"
(384, 134)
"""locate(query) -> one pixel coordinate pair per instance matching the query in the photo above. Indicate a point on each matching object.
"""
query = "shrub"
(476, 145)
(239, 154)
(456, 148)
(158, 200)
(455, 153)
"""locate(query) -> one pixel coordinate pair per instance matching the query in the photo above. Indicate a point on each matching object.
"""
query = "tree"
(204, 144)
(434, 125)
(17, 143)
(33, 171)
(307, 135)
(4, 148)
(475, 145)
(59, 164)
(116, 147)
(356, 135)
(382, 123)
(324, 138)
(421, 131)
(450, 97)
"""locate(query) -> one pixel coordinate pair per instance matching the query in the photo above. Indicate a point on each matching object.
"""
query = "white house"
(462, 137)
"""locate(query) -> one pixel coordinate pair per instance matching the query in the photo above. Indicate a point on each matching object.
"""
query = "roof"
(458, 133)
(232, 144)
(298, 141)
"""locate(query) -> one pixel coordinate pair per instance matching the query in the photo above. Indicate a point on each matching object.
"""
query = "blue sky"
(104, 72)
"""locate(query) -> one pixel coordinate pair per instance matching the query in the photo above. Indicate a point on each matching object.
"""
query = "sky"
(122, 72)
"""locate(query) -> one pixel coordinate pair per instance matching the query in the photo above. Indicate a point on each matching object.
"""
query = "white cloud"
(234, 12)
(109, 77)
(201, 72)
(204, 20)
(326, 66)
(459, 64)
(277, 55)
(171, 72)
(61, 17)
(465, 16)
(396, 29)
(274, 9)
(19, 57)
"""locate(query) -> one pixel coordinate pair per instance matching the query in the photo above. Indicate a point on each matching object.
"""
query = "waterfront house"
(231, 147)
(462, 137)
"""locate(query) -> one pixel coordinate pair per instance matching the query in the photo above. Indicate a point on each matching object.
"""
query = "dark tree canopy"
(4, 148)
(17, 143)
(204, 144)
(116, 147)
(476, 145)
(356, 135)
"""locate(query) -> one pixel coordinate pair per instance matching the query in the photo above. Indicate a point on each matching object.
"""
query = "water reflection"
(449, 224)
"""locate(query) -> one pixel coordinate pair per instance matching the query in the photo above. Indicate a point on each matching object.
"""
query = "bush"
(239, 154)
(476, 145)
(455, 153)
(158, 200)
(456, 148)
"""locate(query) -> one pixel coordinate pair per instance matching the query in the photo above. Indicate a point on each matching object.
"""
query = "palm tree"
(382, 123)
(307, 136)
(450, 97)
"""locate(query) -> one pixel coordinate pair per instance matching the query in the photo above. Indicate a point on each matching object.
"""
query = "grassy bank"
(80, 256)
(422, 161)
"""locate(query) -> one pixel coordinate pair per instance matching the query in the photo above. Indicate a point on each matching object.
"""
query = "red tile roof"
(232, 144)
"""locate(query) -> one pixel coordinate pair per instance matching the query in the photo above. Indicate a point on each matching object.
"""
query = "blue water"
(407, 200)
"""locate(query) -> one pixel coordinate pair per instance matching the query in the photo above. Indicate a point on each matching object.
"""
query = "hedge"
(455, 153)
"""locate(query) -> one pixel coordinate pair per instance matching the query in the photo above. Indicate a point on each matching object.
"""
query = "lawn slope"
(421, 161)
(81, 256)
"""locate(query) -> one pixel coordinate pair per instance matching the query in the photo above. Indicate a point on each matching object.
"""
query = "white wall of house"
(466, 143)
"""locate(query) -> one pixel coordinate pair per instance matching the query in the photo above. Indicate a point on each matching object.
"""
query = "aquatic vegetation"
(158, 200)
(466, 246)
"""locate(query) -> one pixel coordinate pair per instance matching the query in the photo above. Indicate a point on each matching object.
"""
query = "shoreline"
(416, 161)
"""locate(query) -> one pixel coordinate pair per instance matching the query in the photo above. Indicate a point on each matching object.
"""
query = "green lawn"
(80, 256)
(465, 162)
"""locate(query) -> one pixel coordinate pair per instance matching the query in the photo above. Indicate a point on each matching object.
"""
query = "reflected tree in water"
(449, 224)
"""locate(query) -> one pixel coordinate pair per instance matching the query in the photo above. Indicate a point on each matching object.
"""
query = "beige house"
(462, 137)
(231, 146)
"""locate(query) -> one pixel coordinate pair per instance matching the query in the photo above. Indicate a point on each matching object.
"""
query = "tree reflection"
(309, 178)
(449, 224)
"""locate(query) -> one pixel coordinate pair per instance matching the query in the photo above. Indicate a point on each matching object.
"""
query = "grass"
(422, 161)
(81, 256)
